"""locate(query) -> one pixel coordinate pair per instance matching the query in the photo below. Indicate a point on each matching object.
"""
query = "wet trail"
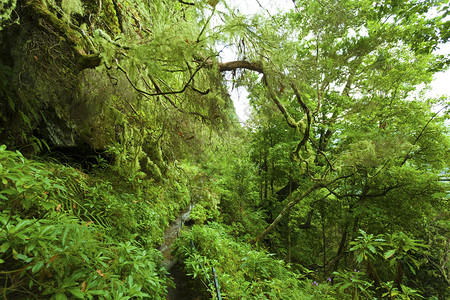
(181, 291)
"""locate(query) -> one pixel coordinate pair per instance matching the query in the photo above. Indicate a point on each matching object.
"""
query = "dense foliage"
(68, 234)
(115, 115)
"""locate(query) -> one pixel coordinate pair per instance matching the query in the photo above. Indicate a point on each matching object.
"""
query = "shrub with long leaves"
(243, 272)
(65, 235)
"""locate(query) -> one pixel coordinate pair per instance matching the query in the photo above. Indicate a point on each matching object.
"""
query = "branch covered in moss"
(240, 64)
(316, 186)
(77, 45)
(302, 126)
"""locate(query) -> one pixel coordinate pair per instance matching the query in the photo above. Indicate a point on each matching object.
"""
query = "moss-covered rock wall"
(117, 77)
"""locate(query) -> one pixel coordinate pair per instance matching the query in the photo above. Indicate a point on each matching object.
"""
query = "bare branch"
(323, 154)
(187, 3)
(291, 122)
(161, 92)
(206, 24)
(173, 103)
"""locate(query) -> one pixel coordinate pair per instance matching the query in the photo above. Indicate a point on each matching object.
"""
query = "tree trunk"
(399, 276)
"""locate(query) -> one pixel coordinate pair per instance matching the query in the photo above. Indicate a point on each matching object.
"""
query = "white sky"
(441, 83)
(439, 87)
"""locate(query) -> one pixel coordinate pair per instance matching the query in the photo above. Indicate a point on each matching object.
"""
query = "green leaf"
(360, 257)
(440, 195)
(20, 256)
(37, 267)
(98, 293)
(9, 192)
(77, 293)
(66, 231)
(356, 247)
(4, 247)
(346, 285)
(389, 254)
(411, 268)
(26, 203)
(47, 205)
(60, 296)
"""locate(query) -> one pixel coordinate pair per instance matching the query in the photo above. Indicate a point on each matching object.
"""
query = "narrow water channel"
(181, 291)
(171, 235)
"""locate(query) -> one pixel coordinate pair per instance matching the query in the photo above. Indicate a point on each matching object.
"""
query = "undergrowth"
(246, 272)
(65, 234)
(242, 271)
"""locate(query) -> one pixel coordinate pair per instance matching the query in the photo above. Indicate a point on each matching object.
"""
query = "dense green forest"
(117, 115)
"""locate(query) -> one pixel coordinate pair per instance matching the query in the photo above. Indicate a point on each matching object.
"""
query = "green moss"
(71, 7)
(109, 16)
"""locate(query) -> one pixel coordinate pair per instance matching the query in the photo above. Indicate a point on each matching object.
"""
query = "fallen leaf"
(83, 286)
(100, 273)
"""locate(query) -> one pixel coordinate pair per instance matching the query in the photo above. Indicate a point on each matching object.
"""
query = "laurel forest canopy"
(116, 115)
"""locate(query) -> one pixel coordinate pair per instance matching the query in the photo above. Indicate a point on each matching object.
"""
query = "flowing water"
(181, 291)
(171, 235)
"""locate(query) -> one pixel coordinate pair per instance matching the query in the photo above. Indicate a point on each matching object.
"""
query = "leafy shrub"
(64, 234)
(243, 273)
(61, 256)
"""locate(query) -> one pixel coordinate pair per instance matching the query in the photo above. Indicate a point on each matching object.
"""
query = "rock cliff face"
(50, 93)
(98, 76)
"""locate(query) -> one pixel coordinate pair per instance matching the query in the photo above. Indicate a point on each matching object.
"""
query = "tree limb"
(407, 156)
(258, 67)
(308, 119)
(187, 3)
(291, 122)
(284, 192)
(160, 91)
(307, 224)
(239, 64)
(323, 154)
(316, 186)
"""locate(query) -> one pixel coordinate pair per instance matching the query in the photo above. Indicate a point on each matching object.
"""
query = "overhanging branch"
(303, 126)
(240, 64)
